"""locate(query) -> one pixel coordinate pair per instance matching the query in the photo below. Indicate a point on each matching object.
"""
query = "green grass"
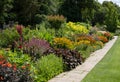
(108, 69)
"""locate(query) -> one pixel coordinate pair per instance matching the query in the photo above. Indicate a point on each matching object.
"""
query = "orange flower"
(23, 67)
(8, 64)
(103, 39)
(107, 34)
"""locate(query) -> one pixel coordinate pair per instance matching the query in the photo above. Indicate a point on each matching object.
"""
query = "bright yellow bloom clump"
(63, 42)
(77, 27)
(87, 42)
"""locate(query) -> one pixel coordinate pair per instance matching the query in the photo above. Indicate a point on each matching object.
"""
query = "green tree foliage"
(78, 10)
(88, 11)
(49, 7)
(34, 11)
(111, 18)
(25, 10)
(5, 7)
(99, 15)
(71, 10)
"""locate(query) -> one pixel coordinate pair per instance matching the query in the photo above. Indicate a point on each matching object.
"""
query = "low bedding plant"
(39, 58)
(14, 71)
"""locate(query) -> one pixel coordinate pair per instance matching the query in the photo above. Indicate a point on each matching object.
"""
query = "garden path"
(77, 74)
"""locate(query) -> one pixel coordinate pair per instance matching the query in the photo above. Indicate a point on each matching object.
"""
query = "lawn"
(108, 69)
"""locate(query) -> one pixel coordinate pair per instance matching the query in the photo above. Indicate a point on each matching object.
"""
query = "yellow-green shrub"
(47, 67)
(99, 43)
(77, 27)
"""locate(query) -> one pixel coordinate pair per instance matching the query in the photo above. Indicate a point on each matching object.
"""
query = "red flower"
(20, 47)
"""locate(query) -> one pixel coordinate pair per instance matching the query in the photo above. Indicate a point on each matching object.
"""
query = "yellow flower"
(77, 27)
(63, 42)
(87, 42)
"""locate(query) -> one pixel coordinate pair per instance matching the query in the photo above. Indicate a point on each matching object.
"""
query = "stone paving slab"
(77, 74)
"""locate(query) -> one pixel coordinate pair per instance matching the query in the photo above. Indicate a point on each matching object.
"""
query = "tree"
(25, 10)
(78, 10)
(5, 7)
(111, 18)
(71, 10)
(49, 7)
(99, 15)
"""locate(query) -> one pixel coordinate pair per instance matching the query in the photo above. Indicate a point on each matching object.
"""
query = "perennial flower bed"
(35, 54)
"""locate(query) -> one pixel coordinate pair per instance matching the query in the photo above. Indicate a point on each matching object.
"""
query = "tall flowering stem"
(19, 30)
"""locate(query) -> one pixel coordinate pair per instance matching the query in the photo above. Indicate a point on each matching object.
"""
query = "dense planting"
(42, 53)
(41, 38)
(71, 58)
(10, 73)
(47, 67)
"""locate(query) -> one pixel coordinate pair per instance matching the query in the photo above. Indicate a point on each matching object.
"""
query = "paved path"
(77, 74)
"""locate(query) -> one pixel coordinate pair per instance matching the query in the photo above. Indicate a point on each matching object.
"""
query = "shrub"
(45, 33)
(35, 47)
(63, 43)
(40, 32)
(48, 67)
(78, 28)
(39, 18)
(8, 36)
(71, 58)
(82, 45)
(87, 44)
(56, 21)
(108, 35)
(117, 32)
(85, 24)
(99, 43)
(86, 38)
(103, 39)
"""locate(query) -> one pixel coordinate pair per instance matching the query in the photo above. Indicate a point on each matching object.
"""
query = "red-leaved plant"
(19, 29)
(18, 43)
